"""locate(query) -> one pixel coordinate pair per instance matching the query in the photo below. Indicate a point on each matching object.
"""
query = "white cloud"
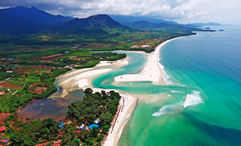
(182, 10)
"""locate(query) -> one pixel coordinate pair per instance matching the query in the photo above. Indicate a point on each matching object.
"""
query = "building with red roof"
(3, 128)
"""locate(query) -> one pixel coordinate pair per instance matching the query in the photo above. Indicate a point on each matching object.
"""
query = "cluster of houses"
(83, 126)
(7, 59)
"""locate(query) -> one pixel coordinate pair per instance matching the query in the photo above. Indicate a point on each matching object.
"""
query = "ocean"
(202, 103)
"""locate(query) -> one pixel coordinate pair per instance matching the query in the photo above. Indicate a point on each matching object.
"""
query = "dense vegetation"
(9, 101)
(33, 73)
(94, 105)
(30, 133)
(36, 51)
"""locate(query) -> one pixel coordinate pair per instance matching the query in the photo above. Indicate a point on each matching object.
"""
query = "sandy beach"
(80, 79)
(126, 107)
(83, 79)
(153, 71)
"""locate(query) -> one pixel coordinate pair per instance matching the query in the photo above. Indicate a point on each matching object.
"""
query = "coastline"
(82, 78)
(159, 78)
(153, 70)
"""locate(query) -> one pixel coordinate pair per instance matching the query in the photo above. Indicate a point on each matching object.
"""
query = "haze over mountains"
(126, 19)
(23, 20)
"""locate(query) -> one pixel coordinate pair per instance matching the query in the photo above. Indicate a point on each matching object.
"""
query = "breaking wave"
(192, 99)
(168, 109)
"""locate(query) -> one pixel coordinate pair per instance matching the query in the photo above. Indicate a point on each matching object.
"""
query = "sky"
(182, 11)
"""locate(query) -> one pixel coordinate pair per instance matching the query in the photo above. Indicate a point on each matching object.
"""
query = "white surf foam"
(192, 99)
(168, 109)
(164, 74)
(174, 91)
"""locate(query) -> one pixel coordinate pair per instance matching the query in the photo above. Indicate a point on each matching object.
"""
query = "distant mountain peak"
(20, 7)
(100, 16)
(101, 23)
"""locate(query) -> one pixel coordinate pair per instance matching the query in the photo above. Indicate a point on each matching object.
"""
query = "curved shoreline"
(153, 70)
(83, 78)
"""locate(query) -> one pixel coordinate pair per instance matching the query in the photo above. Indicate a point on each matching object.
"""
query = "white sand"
(103, 63)
(108, 63)
(127, 106)
(82, 78)
(83, 83)
(153, 71)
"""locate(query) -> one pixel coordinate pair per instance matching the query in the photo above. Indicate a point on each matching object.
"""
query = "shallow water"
(54, 107)
(205, 71)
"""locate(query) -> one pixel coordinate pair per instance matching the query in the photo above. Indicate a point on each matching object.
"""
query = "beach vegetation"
(94, 105)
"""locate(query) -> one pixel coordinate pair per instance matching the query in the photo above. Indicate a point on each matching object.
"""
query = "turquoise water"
(205, 69)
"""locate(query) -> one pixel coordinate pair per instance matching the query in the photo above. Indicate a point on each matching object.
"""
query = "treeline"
(116, 57)
(102, 105)
(32, 133)
(49, 81)
(88, 61)
(88, 65)
(9, 103)
(95, 58)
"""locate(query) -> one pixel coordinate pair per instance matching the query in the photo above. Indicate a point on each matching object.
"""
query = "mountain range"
(27, 20)
(150, 26)
(24, 20)
(96, 24)
(128, 19)
(35, 15)
(205, 24)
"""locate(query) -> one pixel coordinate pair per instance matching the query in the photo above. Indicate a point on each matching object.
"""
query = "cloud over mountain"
(181, 10)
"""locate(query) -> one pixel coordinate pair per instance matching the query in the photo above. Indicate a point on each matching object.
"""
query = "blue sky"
(183, 11)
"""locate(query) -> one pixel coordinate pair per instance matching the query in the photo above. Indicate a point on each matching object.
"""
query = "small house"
(2, 92)
(80, 127)
(10, 59)
(97, 121)
(2, 129)
(93, 125)
(4, 141)
(9, 71)
(61, 124)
